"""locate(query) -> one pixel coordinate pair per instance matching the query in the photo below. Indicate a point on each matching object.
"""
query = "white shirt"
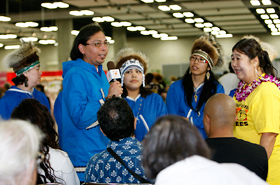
(197, 170)
(63, 167)
(229, 81)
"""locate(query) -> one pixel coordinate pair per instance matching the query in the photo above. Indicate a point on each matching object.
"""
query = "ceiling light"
(175, 7)
(275, 33)
(152, 32)
(160, 1)
(125, 23)
(266, 2)
(163, 8)
(140, 28)
(156, 36)
(48, 5)
(207, 29)
(5, 19)
(178, 15)
(278, 25)
(108, 38)
(8, 36)
(61, 4)
(26, 24)
(188, 14)
(273, 29)
(21, 24)
(87, 12)
(199, 25)
(1, 45)
(208, 24)
(169, 38)
(198, 20)
(189, 20)
(145, 32)
(111, 41)
(98, 19)
(108, 19)
(75, 32)
(222, 32)
(215, 29)
(50, 41)
(260, 10)
(116, 24)
(274, 16)
(271, 25)
(131, 28)
(268, 21)
(255, 2)
(147, 1)
(49, 29)
(224, 36)
(163, 35)
(276, 21)
(29, 39)
(270, 10)
(264, 16)
(12, 47)
(76, 13)
(54, 28)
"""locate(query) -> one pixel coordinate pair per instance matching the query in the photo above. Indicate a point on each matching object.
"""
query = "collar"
(16, 89)
(134, 99)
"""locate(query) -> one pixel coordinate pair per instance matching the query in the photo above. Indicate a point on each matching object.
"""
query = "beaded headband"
(204, 55)
(132, 64)
(27, 68)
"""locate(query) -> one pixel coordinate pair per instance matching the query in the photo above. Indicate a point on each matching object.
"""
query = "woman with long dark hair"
(187, 97)
(56, 166)
(257, 100)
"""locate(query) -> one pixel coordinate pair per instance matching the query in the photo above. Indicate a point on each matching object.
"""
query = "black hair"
(252, 49)
(209, 89)
(116, 119)
(32, 110)
(170, 140)
(84, 35)
(149, 78)
(143, 91)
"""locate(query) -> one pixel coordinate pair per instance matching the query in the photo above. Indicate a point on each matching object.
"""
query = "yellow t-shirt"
(260, 113)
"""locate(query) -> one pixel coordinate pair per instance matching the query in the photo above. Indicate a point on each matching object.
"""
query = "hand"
(115, 89)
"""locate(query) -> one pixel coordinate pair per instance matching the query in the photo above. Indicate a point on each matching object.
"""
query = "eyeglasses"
(99, 44)
(200, 60)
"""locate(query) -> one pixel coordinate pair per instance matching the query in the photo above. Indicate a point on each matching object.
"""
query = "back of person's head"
(149, 78)
(219, 113)
(171, 139)
(116, 119)
(18, 152)
(84, 35)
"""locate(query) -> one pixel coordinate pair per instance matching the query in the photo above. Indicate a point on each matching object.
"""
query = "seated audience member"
(219, 120)
(19, 148)
(117, 122)
(174, 152)
(56, 167)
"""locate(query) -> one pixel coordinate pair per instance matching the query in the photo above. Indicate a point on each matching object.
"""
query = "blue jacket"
(14, 96)
(175, 102)
(150, 108)
(83, 90)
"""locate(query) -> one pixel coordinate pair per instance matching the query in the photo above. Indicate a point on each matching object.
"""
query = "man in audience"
(219, 120)
(117, 122)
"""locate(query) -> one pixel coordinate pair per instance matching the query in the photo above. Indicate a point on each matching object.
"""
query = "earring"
(208, 75)
(190, 72)
(25, 82)
(256, 71)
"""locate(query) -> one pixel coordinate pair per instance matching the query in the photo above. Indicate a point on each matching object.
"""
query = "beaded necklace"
(244, 90)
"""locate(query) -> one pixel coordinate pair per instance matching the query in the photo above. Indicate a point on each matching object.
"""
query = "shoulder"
(268, 88)
(176, 85)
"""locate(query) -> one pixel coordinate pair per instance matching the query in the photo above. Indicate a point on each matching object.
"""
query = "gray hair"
(19, 147)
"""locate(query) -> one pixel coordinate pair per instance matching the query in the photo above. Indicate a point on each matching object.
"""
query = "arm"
(172, 102)
(115, 89)
(267, 141)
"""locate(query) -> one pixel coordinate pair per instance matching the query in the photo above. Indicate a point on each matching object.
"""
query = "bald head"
(220, 112)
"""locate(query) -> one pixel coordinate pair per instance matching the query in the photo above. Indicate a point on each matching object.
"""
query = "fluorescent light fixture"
(274, 16)
(224, 36)
(111, 41)
(208, 24)
(131, 28)
(152, 32)
(55, 5)
(178, 15)
(188, 14)
(75, 32)
(54, 28)
(275, 33)
(207, 29)
(12, 47)
(199, 20)
(255, 2)
(264, 16)
(108, 19)
(169, 38)
(140, 28)
(215, 29)
(268, 21)
(21, 24)
(199, 25)
(175, 7)
(29, 39)
(271, 25)
(276, 21)
(32, 24)
(76, 13)
(8, 36)
(61, 4)
(266, 2)
(108, 38)
(116, 24)
(260, 10)
(49, 29)
(278, 25)
(45, 42)
(125, 23)
(160, 1)
(222, 32)
(98, 19)
(163, 8)
(273, 29)
(189, 20)
(87, 12)
(163, 35)
(147, 1)
(270, 10)
(145, 32)
(5, 19)
(1, 45)
(156, 36)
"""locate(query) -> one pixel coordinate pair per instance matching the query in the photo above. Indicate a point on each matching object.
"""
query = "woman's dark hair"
(170, 140)
(38, 114)
(19, 80)
(84, 35)
(252, 49)
(209, 89)
(143, 91)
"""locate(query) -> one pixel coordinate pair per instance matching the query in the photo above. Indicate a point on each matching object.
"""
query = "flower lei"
(242, 92)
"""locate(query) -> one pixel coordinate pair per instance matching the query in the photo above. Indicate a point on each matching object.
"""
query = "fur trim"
(206, 46)
(26, 49)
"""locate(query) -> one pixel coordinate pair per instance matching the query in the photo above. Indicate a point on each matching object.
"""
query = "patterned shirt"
(104, 168)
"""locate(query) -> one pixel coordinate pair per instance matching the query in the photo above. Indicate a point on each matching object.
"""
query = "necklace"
(196, 92)
(244, 90)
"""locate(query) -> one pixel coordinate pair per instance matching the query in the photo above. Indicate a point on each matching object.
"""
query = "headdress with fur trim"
(127, 59)
(204, 48)
(23, 59)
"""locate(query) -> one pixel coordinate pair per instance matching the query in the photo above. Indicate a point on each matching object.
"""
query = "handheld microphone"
(113, 74)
